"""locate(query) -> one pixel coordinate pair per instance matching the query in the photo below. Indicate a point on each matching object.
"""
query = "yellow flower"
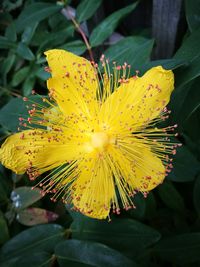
(98, 135)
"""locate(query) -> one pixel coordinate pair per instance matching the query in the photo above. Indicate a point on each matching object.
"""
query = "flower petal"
(41, 150)
(141, 169)
(94, 188)
(149, 173)
(74, 82)
(138, 101)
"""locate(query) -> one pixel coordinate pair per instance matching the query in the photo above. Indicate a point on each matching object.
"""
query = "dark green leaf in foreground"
(126, 235)
(36, 259)
(140, 204)
(185, 166)
(181, 249)
(86, 9)
(25, 196)
(4, 233)
(192, 8)
(4, 188)
(170, 196)
(106, 27)
(76, 253)
(41, 238)
(35, 13)
(196, 195)
(133, 50)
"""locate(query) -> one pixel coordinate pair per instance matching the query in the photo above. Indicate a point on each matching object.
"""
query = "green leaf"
(196, 195)
(151, 206)
(86, 9)
(34, 216)
(25, 52)
(55, 38)
(192, 8)
(25, 196)
(133, 50)
(76, 253)
(3, 195)
(6, 44)
(189, 49)
(170, 196)
(20, 76)
(8, 63)
(186, 74)
(77, 47)
(15, 108)
(34, 13)
(42, 74)
(182, 249)
(178, 98)
(185, 166)
(28, 85)
(185, 102)
(37, 259)
(10, 113)
(28, 33)
(42, 238)
(106, 27)
(127, 235)
(9, 5)
(168, 64)
(140, 204)
(10, 33)
(5, 187)
(4, 233)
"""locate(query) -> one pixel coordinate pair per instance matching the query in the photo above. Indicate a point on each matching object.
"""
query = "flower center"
(99, 140)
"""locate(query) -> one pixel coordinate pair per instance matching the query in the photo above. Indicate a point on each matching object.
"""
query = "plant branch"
(67, 14)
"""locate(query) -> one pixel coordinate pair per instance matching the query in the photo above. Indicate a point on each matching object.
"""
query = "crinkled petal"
(141, 169)
(94, 188)
(37, 149)
(140, 100)
(149, 173)
(73, 83)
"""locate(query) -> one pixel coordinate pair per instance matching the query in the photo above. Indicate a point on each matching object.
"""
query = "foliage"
(164, 229)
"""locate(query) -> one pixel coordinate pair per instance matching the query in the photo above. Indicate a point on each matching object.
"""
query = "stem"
(77, 26)
(84, 38)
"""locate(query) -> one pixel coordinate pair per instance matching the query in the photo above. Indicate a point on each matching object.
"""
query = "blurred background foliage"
(164, 229)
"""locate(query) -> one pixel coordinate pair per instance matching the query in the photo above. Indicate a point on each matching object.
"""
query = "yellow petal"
(142, 170)
(94, 188)
(74, 82)
(41, 150)
(138, 101)
(149, 173)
